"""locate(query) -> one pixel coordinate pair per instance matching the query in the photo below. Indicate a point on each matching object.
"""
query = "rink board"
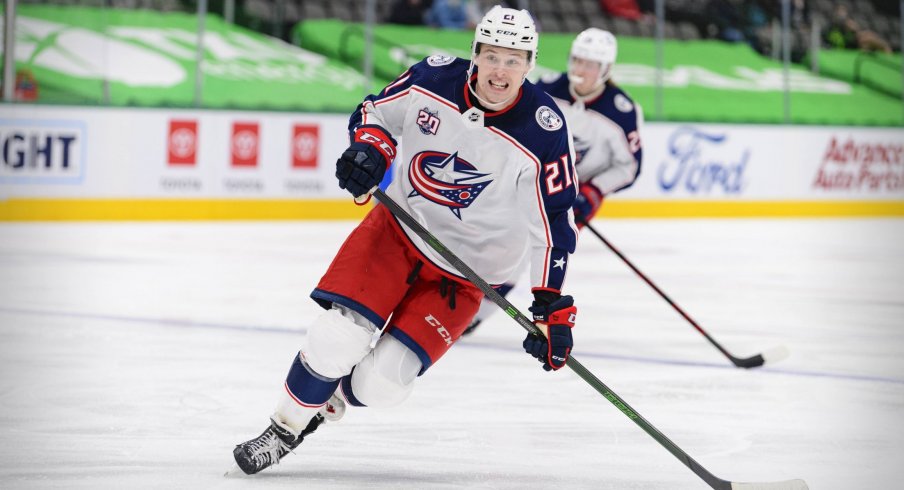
(71, 163)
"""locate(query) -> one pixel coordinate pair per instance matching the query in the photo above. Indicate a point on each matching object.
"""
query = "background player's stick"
(771, 356)
(713, 481)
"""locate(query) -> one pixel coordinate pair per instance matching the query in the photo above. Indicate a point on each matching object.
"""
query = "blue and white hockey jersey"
(606, 134)
(491, 186)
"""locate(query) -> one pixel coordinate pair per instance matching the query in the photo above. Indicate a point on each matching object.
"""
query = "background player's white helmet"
(507, 28)
(596, 45)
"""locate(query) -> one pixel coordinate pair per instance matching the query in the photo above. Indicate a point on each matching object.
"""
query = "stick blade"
(776, 354)
(748, 362)
(770, 356)
(778, 485)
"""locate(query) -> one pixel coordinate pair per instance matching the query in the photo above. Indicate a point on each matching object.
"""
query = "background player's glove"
(554, 316)
(587, 203)
(362, 165)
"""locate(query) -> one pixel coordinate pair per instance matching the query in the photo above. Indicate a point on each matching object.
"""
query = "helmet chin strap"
(488, 104)
(484, 102)
(594, 92)
(575, 79)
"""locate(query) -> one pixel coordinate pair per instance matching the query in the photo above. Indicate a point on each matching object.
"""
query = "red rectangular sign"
(245, 144)
(182, 142)
(305, 145)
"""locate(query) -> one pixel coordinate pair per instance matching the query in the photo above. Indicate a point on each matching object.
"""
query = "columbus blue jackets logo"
(548, 119)
(440, 60)
(622, 103)
(446, 180)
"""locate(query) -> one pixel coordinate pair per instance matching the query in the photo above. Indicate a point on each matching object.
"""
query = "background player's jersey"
(491, 186)
(606, 134)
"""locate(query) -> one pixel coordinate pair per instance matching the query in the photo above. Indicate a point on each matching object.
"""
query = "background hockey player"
(487, 166)
(604, 122)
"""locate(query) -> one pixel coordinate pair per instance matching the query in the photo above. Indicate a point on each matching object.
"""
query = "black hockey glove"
(555, 318)
(362, 165)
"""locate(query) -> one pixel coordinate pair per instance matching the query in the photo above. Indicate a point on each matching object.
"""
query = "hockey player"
(605, 124)
(486, 164)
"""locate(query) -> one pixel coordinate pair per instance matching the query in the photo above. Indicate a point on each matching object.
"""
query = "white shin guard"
(385, 377)
(337, 340)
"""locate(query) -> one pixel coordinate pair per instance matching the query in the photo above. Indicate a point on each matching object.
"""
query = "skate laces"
(267, 449)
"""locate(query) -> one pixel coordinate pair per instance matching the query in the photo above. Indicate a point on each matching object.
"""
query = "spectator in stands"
(647, 7)
(761, 13)
(845, 33)
(800, 15)
(409, 12)
(755, 20)
(692, 11)
(800, 26)
(841, 32)
(726, 21)
(626, 9)
(454, 14)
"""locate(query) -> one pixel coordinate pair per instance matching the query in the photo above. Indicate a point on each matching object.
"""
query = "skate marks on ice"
(155, 348)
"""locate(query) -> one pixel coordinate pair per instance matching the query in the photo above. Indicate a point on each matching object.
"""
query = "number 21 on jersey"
(558, 179)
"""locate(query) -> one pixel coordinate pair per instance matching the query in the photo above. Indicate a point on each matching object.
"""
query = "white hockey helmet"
(507, 28)
(596, 45)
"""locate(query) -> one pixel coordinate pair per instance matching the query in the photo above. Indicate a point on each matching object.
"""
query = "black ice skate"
(277, 441)
(268, 448)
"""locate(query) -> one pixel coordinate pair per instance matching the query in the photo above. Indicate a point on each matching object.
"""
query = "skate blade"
(234, 472)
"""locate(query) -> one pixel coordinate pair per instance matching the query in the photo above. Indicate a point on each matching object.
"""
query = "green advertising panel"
(880, 71)
(81, 55)
(144, 58)
(707, 81)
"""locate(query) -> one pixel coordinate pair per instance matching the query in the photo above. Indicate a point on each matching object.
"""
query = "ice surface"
(136, 356)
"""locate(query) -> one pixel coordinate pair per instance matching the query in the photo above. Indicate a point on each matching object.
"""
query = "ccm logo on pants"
(439, 328)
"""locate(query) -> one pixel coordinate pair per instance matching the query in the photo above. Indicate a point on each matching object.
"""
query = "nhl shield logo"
(548, 119)
(446, 180)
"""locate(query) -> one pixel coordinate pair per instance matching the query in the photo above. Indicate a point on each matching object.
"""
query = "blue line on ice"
(172, 322)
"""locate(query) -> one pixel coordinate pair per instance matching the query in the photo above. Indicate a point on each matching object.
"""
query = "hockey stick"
(713, 481)
(772, 356)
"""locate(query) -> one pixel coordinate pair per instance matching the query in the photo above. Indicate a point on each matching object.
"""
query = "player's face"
(500, 72)
(588, 71)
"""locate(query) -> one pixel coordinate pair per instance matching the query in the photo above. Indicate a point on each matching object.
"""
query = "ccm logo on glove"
(362, 165)
(375, 136)
(555, 321)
